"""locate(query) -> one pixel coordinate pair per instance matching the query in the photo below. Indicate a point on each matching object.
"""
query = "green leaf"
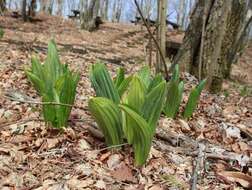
(102, 83)
(108, 117)
(145, 75)
(142, 135)
(173, 99)
(136, 95)
(134, 99)
(153, 105)
(193, 99)
(1, 33)
(36, 81)
(175, 73)
(119, 77)
(180, 94)
(52, 63)
(155, 81)
(124, 86)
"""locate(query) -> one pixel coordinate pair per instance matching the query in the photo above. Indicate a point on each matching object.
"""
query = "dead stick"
(45, 103)
(197, 166)
(154, 39)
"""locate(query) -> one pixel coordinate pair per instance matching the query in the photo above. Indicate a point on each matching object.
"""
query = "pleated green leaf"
(108, 117)
(136, 95)
(153, 105)
(173, 99)
(193, 99)
(155, 81)
(124, 86)
(134, 99)
(119, 77)
(103, 83)
(142, 135)
(180, 94)
(36, 81)
(175, 73)
(145, 75)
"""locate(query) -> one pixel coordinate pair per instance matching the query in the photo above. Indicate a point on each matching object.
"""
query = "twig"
(113, 146)
(199, 160)
(22, 121)
(44, 103)
(154, 39)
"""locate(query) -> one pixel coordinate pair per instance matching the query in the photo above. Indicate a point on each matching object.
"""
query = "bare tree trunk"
(43, 5)
(239, 21)
(83, 5)
(161, 34)
(50, 7)
(32, 8)
(181, 14)
(88, 17)
(114, 11)
(60, 7)
(104, 9)
(2, 6)
(97, 8)
(223, 24)
(24, 13)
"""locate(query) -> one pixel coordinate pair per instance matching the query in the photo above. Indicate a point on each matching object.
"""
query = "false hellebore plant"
(55, 83)
(127, 107)
(175, 94)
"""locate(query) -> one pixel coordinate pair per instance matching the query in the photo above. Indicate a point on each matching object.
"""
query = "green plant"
(1, 33)
(137, 113)
(108, 118)
(175, 95)
(55, 83)
(103, 83)
(193, 99)
(245, 91)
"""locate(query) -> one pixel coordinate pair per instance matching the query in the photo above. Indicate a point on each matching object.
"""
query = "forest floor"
(33, 156)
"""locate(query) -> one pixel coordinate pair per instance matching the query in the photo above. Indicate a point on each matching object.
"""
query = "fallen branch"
(199, 161)
(23, 99)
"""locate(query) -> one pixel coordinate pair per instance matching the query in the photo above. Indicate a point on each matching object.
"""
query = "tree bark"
(24, 13)
(88, 17)
(223, 24)
(32, 8)
(181, 14)
(104, 9)
(2, 6)
(161, 34)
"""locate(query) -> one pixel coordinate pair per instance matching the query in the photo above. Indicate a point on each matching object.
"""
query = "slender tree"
(88, 17)
(161, 34)
(2, 6)
(24, 13)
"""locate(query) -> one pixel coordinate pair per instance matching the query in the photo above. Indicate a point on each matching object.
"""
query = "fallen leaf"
(75, 183)
(184, 125)
(105, 156)
(84, 145)
(243, 179)
(51, 143)
(123, 173)
(84, 169)
(156, 187)
(100, 184)
(113, 161)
